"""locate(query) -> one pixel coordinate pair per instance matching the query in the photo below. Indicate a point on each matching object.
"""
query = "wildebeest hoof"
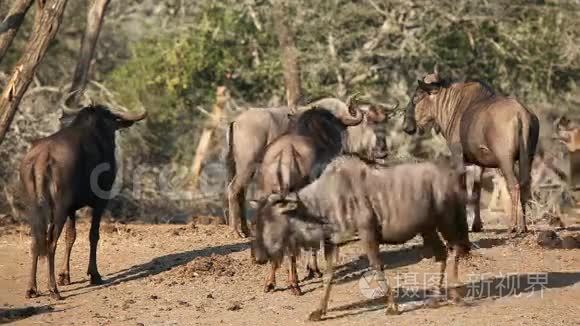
(269, 287)
(316, 315)
(241, 234)
(392, 309)
(456, 294)
(96, 280)
(477, 227)
(312, 274)
(295, 289)
(63, 279)
(31, 293)
(55, 295)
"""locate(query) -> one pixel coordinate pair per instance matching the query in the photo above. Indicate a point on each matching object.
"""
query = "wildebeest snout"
(258, 253)
(409, 126)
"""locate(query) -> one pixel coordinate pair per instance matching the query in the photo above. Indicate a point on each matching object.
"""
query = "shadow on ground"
(14, 314)
(161, 264)
(517, 285)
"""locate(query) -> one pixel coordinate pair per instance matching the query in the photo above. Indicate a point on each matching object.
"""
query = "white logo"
(371, 286)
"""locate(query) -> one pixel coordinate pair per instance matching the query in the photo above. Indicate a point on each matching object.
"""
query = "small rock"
(140, 324)
(209, 296)
(234, 306)
(153, 297)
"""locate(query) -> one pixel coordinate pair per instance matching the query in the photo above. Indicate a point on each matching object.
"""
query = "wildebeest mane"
(320, 124)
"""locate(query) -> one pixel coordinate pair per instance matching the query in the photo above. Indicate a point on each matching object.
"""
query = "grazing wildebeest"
(489, 131)
(296, 158)
(63, 172)
(250, 133)
(389, 205)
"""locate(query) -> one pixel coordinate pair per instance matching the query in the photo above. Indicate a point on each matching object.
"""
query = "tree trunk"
(11, 23)
(80, 79)
(46, 24)
(205, 139)
(289, 53)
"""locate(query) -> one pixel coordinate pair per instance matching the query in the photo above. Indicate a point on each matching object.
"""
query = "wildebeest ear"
(429, 88)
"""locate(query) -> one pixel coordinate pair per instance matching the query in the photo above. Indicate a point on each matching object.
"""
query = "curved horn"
(66, 101)
(350, 101)
(354, 118)
(130, 116)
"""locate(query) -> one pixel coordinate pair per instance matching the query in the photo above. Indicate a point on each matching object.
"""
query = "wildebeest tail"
(283, 175)
(230, 165)
(39, 226)
(38, 175)
(524, 152)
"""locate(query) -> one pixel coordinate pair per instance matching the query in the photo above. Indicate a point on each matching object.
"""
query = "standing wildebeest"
(389, 205)
(296, 158)
(490, 131)
(250, 133)
(70, 169)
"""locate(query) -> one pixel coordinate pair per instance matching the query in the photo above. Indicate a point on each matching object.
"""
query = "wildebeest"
(485, 129)
(70, 169)
(388, 205)
(296, 158)
(249, 134)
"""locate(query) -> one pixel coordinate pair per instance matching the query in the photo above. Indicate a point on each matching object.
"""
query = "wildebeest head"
(273, 226)
(419, 112)
(105, 119)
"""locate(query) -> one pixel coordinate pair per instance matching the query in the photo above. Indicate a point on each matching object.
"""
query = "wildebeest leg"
(54, 230)
(312, 266)
(433, 241)
(328, 276)
(293, 276)
(92, 270)
(236, 202)
(452, 277)
(271, 277)
(32, 291)
(70, 236)
(514, 191)
(473, 184)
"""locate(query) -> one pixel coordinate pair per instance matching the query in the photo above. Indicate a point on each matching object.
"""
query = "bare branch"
(10, 25)
(46, 24)
(88, 43)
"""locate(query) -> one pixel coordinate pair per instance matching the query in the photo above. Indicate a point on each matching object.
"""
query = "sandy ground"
(202, 275)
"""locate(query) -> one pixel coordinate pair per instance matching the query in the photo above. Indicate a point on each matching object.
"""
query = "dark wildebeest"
(485, 129)
(250, 133)
(61, 173)
(389, 205)
(296, 158)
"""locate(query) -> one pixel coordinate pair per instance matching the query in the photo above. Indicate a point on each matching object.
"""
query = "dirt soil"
(203, 275)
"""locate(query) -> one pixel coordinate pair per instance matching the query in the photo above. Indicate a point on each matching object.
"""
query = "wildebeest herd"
(322, 177)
